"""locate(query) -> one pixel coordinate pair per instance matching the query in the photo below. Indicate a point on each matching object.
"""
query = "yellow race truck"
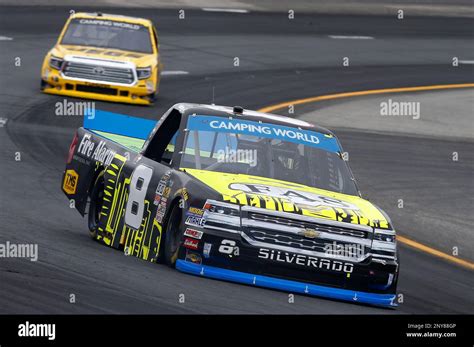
(104, 57)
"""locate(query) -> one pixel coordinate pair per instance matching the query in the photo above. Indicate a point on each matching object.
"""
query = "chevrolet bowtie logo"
(310, 233)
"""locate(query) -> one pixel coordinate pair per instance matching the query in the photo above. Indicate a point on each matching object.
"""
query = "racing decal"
(161, 210)
(185, 194)
(196, 234)
(206, 252)
(113, 188)
(143, 242)
(193, 257)
(268, 130)
(198, 212)
(98, 152)
(229, 247)
(162, 193)
(191, 243)
(305, 260)
(195, 221)
(71, 178)
(109, 23)
(195, 217)
(295, 196)
(290, 197)
(138, 188)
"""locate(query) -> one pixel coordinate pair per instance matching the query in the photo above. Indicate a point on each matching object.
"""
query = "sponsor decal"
(196, 211)
(193, 233)
(196, 221)
(193, 257)
(207, 250)
(109, 23)
(166, 192)
(184, 194)
(98, 152)
(159, 217)
(71, 178)
(161, 210)
(266, 130)
(191, 243)
(297, 197)
(305, 260)
(157, 200)
(229, 247)
(162, 191)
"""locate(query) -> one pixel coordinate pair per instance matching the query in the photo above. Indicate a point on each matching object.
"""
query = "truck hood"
(292, 198)
(139, 59)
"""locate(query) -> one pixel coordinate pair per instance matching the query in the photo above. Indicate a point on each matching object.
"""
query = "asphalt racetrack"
(280, 60)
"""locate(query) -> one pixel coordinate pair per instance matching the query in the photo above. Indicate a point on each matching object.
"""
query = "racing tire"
(173, 236)
(95, 205)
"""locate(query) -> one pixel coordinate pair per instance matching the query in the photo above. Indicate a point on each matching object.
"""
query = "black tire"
(95, 205)
(173, 236)
(43, 85)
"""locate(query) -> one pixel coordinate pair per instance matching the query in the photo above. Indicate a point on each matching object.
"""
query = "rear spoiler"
(130, 132)
(118, 124)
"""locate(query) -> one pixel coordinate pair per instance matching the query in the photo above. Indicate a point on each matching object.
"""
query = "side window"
(162, 146)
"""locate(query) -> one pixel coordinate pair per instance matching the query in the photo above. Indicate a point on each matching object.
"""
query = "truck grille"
(305, 225)
(297, 235)
(289, 240)
(98, 73)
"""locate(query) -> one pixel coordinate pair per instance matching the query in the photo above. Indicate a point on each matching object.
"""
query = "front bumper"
(230, 257)
(387, 300)
(54, 83)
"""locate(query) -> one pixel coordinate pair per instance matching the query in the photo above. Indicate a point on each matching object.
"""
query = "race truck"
(233, 194)
(104, 57)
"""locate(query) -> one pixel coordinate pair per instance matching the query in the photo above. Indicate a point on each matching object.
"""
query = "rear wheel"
(95, 205)
(173, 236)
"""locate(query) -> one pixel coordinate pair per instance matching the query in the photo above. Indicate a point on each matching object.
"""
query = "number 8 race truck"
(104, 57)
(236, 195)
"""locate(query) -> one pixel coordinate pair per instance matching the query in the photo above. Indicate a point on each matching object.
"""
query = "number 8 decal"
(140, 180)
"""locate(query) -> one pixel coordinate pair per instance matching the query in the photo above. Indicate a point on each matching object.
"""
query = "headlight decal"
(56, 63)
(143, 72)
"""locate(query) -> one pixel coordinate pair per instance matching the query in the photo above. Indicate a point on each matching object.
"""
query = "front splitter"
(385, 300)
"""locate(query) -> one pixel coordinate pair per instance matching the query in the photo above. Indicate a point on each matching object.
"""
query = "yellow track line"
(402, 239)
(272, 108)
(435, 252)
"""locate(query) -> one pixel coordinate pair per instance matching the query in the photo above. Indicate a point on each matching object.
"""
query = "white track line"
(230, 10)
(5, 38)
(347, 37)
(466, 62)
(174, 73)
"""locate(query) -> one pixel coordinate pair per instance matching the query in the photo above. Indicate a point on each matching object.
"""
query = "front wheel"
(173, 236)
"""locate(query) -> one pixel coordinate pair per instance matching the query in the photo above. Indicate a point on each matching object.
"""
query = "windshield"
(266, 150)
(108, 34)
